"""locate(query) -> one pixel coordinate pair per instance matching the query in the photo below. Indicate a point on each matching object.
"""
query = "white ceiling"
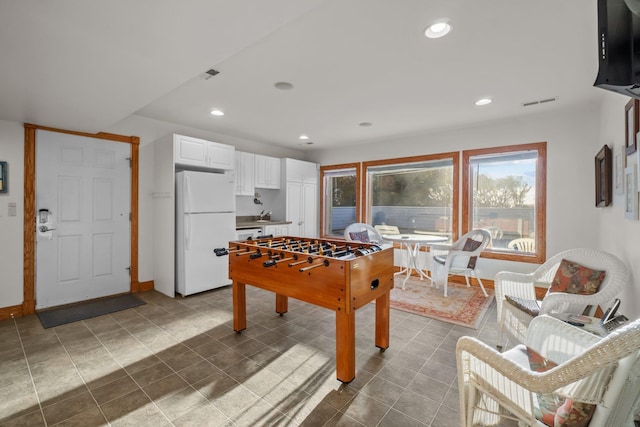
(88, 64)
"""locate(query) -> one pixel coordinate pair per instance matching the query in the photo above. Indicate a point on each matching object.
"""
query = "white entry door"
(82, 218)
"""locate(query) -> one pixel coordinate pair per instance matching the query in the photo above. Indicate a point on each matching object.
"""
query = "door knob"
(44, 229)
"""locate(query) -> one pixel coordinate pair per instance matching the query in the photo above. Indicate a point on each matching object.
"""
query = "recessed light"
(283, 85)
(438, 29)
(365, 124)
(216, 112)
(303, 137)
(484, 101)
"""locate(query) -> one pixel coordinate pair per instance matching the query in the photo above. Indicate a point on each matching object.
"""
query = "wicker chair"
(360, 227)
(495, 386)
(458, 259)
(513, 322)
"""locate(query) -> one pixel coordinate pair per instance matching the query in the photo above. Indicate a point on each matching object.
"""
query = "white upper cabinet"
(202, 154)
(267, 172)
(245, 173)
(301, 171)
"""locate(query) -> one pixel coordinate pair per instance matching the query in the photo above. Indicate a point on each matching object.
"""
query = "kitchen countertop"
(254, 223)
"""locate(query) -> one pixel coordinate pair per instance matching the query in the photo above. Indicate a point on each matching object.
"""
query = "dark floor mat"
(82, 311)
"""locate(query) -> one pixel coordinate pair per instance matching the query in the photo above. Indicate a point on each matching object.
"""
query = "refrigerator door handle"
(187, 234)
(187, 196)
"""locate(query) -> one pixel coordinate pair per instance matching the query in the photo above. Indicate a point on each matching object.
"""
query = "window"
(340, 198)
(416, 194)
(504, 192)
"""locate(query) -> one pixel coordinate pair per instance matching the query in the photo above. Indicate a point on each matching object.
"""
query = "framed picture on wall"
(631, 193)
(4, 183)
(603, 177)
(631, 112)
(619, 163)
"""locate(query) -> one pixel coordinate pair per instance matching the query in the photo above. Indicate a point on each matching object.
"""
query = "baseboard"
(10, 312)
(146, 286)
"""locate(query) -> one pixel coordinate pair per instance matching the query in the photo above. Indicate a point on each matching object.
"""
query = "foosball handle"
(221, 251)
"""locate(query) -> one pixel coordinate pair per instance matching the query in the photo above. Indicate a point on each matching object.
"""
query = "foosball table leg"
(282, 304)
(239, 306)
(382, 321)
(345, 346)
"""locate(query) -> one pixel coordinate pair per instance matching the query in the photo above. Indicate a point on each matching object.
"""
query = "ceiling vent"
(210, 73)
(541, 101)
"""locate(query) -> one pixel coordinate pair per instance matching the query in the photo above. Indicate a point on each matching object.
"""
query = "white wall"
(571, 136)
(616, 234)
(149, 131)
(12, 152)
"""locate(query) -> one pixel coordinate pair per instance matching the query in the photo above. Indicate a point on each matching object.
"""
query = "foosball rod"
(308, 260)
(325, 263)
(273, 261)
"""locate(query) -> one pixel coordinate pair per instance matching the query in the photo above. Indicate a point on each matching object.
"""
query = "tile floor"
(179, 362)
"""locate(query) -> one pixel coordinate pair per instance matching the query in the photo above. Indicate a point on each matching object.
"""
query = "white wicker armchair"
(606, 372)
(513, 322)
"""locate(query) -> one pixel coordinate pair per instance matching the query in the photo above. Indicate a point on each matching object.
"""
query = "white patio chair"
(513, 321)
(603, 372)
(460, 258)
(524, 244)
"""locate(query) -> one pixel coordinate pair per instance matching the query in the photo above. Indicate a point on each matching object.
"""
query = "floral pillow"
(471, 245)
(573, 278)
(360, 236)
(554, 410)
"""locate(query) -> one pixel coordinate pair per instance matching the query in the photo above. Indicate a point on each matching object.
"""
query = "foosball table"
(335, 274)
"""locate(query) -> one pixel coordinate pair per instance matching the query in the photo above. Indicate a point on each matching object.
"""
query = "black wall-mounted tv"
(619, 46)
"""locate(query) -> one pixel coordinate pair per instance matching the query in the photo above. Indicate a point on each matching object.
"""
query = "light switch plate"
(12, 208)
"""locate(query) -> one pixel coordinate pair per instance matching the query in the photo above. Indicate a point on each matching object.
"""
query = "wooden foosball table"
(334, 274)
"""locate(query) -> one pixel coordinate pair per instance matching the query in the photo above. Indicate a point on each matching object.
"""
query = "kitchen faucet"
(263, 214)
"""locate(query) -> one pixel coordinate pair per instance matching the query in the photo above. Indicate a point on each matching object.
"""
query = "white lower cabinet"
(276, 230)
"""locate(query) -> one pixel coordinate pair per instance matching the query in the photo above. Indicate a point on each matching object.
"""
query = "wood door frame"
(29, 231)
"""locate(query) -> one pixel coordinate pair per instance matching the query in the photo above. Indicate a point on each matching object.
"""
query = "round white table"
(412, 243)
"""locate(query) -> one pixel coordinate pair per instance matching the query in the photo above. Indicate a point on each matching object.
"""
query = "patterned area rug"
(464, 306)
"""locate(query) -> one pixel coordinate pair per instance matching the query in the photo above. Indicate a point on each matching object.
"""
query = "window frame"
(454, 156)
(541, 200)
(323, 169)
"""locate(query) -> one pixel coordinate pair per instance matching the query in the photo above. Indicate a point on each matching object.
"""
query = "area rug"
(464, 306)
(87, 310)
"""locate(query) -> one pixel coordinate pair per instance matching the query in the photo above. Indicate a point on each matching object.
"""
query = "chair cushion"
(471, 245)
(554, 410)
(360, 236)
(529, 306)
(573, 278)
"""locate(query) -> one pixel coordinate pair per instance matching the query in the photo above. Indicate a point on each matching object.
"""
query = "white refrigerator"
(205, 220)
